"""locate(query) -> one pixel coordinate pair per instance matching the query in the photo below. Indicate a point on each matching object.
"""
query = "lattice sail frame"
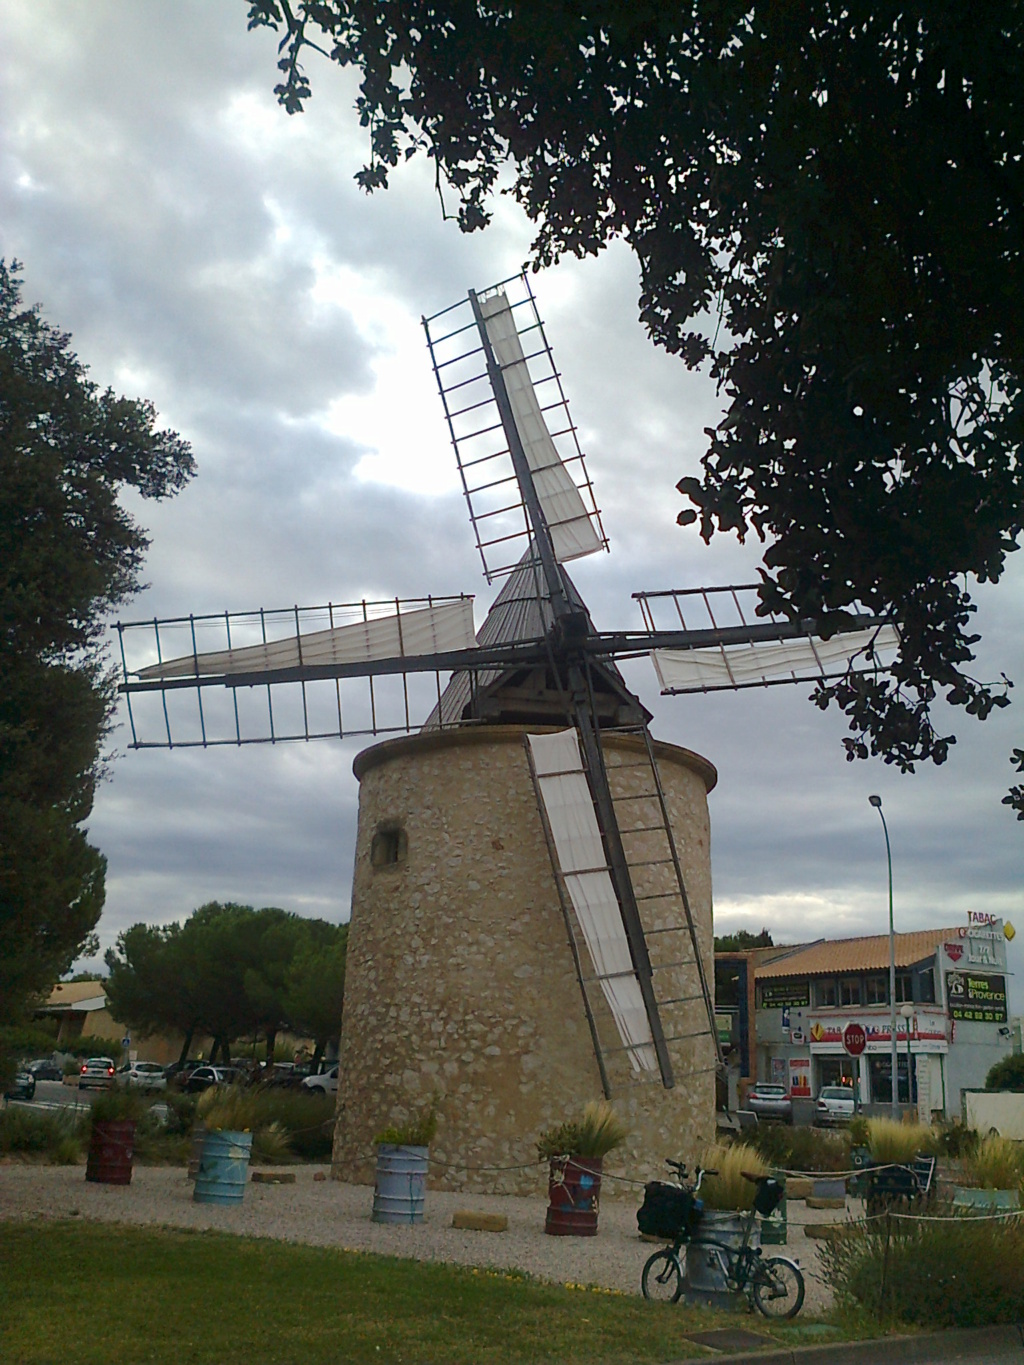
(497, 511)
(247, 677)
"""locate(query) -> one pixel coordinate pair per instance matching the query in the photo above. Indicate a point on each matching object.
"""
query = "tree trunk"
(186, 1046)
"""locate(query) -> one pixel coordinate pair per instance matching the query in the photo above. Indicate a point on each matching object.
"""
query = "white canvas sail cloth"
(581, 859)
(428, 630)
(572, 530)
(719, 666)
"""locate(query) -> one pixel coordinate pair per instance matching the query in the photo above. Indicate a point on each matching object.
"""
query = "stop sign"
(855, 1040)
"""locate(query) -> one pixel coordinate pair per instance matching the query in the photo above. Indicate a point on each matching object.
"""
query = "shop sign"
(723, 1025)
(777, 995)
(800, 1077)
(954, 951)
(925, 1027)
(976, 996)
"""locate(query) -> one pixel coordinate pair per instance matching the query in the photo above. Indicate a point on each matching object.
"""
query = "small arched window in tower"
(390, 845)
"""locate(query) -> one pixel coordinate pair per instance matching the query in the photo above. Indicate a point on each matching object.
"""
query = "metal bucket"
(223, 1167)
(400, 1185)
(574, 1194)
(111, 1148)
(775, 1228)
(705, 1279)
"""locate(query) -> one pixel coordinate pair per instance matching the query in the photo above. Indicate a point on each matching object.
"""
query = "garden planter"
(705, 1271)
(968, 1197)
(574, 1193)
(223, 1168)
(400, 1184)
(111, 1148)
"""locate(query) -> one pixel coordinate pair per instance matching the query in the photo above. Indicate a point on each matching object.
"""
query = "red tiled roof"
(854, 954)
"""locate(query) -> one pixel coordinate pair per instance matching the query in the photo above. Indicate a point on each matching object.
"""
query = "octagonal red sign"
(855, 1040)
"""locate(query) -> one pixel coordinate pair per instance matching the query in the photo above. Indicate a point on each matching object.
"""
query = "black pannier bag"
(768, 1198)
(668, 1210)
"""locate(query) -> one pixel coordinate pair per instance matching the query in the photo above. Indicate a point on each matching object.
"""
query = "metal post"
(876, 801)
(908, 1013)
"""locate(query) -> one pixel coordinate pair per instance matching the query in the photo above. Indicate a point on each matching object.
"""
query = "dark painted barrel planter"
(111, 1148)
(574, 1195)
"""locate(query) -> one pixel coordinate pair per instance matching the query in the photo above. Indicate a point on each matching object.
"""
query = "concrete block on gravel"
(479, 1222)
(815, 1201)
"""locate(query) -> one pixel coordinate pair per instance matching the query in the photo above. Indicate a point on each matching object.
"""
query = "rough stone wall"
(460, 982)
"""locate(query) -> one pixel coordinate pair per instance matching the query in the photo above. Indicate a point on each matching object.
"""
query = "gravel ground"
(329, 1213)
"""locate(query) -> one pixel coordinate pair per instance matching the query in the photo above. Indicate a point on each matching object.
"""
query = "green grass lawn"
(78, 1293)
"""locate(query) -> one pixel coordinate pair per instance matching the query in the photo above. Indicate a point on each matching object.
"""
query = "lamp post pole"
(908, 1013)
(876, 801)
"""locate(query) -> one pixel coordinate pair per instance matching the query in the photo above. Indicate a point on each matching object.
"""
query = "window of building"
(876, 990)
(390, 845)
(825, 991)
(926, 986)
(904, 987)
(849, 990)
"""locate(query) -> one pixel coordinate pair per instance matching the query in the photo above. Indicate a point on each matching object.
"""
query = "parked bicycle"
(774, 1284)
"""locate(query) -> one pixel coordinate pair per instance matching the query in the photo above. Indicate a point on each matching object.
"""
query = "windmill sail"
(724, 666)
(573, 533)
(569, 808)
(428, 630)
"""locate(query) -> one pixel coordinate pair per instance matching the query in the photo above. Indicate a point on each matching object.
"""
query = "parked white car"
(326, 1082)
(143, 1076)
(836, 1104)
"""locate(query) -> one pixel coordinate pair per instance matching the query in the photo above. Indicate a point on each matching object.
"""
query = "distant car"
(836, 1104)
(143, 1076)
(202, 1077)
(286, 1075)
(45, 1070)
(770, 1102)
(22, 1087)
(326, 1082)
(97, 1071)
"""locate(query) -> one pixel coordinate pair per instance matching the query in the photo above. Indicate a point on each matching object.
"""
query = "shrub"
(270, 1145)
(596, 1133)
(1007, 1074)
(306, 1118)
(960, 1272)
(800, 1149)
(996, 1164)
(227, 1108)
(956, 1140)
(58, 1134)
(728, 1189)
(116, 1104)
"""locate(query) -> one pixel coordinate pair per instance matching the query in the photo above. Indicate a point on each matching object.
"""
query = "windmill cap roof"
(864, 954)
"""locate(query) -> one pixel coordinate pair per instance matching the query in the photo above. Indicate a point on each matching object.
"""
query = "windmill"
(538, 673)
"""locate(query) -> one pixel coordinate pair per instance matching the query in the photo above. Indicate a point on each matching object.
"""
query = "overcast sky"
(213, 254)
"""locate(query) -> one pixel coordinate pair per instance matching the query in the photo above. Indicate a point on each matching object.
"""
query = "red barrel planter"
(111, 1148)
(574, 1193)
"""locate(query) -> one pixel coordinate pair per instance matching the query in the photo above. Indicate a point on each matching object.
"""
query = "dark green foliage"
(68, 554)
(791, 1148)
(28, 1040)
(955, 1140)
(960, 1272)
(743, 941)
(825, 204)
(307, 1119)
(232, 972)
(117, 1105)
(1007, 1074)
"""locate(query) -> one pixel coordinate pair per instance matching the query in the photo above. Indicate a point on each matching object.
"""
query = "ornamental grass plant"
(996, 1164)
(227, 1108)
(955, 1272)
(598, 1131)
(419, 1131)
(890, 1141)
(57, 1136)
(729, 1190)
(806, 1150)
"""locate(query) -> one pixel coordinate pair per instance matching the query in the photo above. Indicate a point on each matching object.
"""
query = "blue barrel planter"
(223, 1167)
(400, 1185)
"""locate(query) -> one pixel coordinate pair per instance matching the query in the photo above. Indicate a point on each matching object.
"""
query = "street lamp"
(876, 801)
(908, 1013)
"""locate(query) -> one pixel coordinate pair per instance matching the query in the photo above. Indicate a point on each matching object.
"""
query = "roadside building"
(951, 1025)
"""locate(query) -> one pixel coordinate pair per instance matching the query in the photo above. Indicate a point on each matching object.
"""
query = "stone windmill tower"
(531, 917)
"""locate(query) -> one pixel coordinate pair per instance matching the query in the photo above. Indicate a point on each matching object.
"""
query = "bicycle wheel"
(778, 1288)
(661, 1279)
